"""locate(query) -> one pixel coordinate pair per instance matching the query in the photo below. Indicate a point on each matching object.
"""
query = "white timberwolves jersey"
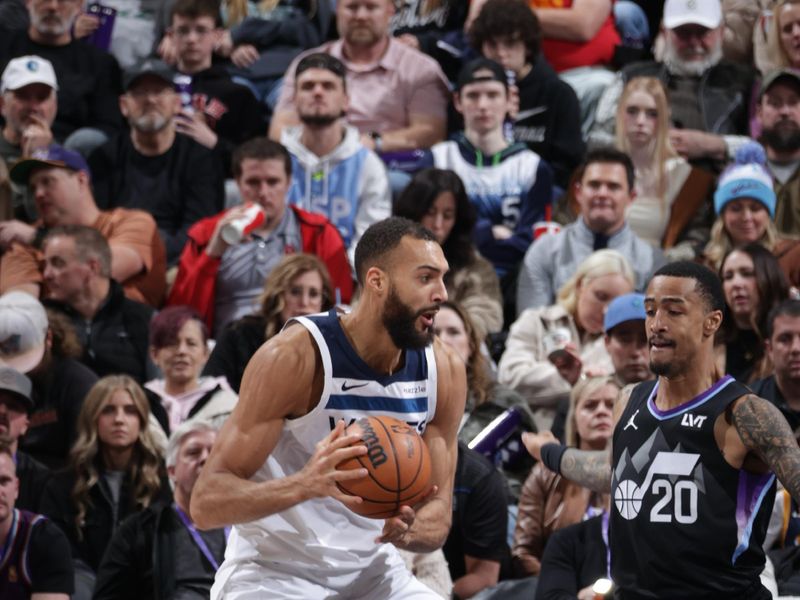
(321, 539)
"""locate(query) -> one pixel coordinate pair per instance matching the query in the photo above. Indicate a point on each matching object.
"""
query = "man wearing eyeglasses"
(155, 168)
(222, 113)
(709, 97)
(89, 79)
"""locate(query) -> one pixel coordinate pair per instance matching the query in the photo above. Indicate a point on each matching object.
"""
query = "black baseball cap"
(471, 73)
(778, 74)
(149, 66)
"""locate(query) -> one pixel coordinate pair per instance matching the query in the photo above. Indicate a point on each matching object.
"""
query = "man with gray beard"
(89, 79)
(154, 168)
(708, 96)
(778, 111)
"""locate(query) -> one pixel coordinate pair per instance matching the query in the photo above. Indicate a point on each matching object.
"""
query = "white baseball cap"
(707, 13)
(23, 331)
(25, 70)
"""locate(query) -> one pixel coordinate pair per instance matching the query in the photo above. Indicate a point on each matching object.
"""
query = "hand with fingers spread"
(320, 475)
(396, 528)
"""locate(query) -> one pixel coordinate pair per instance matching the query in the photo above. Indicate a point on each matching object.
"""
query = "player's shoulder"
(291, 345)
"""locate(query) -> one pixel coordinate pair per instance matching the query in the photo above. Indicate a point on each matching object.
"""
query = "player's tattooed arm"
(589, 469)
(764, 431)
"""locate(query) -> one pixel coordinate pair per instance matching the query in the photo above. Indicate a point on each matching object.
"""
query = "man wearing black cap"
(15, 407)
(778, 111)
(509, 185)
(154, 168)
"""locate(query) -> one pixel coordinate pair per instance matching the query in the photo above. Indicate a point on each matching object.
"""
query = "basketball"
(398, 466)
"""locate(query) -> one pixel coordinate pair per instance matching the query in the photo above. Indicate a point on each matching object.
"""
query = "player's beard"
(400, 322)
(784, 136)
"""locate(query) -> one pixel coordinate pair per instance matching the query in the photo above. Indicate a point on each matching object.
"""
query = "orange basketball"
(398, 465)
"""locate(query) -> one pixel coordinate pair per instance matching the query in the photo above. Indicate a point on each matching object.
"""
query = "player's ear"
(712, 323)
(376, 279)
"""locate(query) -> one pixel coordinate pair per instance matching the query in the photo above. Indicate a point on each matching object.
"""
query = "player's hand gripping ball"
(398, 466)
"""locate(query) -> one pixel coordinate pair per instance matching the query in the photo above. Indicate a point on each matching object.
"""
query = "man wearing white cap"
(59, 383)
(90, 78)
(28, 100)
(709, 96)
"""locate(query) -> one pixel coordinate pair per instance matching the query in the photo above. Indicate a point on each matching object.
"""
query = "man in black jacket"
(15, 407)
(159, 553)
(548, 120)
(221, 114)
(153, 167)
(113, 329)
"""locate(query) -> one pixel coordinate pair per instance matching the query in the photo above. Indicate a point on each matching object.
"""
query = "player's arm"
(765, 432)
(425, 529)
(223, 494)
(588, 468)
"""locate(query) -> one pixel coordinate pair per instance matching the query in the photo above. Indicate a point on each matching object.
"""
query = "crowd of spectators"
(180, 178)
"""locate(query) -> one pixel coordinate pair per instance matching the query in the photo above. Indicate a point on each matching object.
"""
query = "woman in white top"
(537, 363)
(672, 209)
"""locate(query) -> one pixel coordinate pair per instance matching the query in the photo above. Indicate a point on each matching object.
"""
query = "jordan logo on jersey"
(677, 498)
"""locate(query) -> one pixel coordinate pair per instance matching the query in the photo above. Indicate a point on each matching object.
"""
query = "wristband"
(551, 456)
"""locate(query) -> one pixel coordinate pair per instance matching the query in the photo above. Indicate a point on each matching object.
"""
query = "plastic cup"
(233, 232)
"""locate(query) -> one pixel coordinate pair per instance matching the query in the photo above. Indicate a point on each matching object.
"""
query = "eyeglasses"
(185, 31)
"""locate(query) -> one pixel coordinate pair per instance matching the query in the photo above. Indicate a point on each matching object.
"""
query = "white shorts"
(392, 582)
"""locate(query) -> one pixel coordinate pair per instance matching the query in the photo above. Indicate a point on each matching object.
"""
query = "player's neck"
(371, 342)
(677, 390)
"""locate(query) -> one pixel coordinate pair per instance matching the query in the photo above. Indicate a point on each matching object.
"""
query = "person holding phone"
(549, 349)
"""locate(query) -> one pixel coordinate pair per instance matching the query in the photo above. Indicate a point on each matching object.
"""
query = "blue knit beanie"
(747, 177)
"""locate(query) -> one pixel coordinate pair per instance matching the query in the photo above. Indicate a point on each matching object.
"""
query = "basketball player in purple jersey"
(693, 459)
(272, 472)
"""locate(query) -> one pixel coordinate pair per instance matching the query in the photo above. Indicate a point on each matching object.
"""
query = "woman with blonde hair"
(114, 470)
(672, 208)
(549, 348)
(548, 502)
(298, 285)
(745, 206)
(783, 37)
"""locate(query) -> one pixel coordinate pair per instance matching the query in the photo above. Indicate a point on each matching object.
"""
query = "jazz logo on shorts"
(682, 494)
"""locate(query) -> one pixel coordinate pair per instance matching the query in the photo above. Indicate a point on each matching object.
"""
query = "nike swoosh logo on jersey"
(524, 114)
(346, 387)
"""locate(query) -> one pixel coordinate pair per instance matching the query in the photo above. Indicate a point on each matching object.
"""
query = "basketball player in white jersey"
(693, 460)
(272, 473)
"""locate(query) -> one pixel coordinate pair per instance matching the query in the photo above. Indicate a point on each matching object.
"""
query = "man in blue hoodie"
(333, 173)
